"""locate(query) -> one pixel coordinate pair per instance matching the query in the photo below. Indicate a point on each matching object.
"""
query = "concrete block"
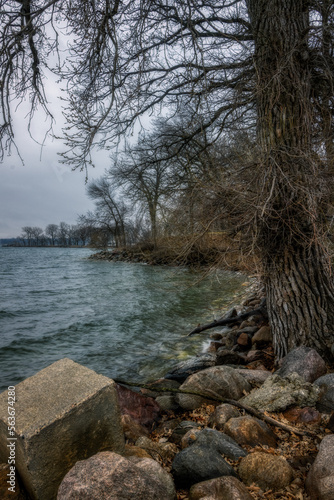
(63, 414)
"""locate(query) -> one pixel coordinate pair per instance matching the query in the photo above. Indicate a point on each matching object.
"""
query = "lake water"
(123, 320)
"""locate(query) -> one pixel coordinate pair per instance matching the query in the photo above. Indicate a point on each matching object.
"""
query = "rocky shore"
(227, 424)
(198, 427)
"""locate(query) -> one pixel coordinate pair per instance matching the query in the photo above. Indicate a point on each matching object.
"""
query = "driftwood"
(211, 395)
(230, 321)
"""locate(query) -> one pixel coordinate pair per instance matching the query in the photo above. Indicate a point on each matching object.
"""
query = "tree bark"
(289, 225)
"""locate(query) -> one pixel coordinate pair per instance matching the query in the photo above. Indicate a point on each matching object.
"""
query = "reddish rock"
(303, 415)
(250, 431)
(226, 487)
(244, 340)
(135, 451)
(110, 476)
(142, 409)
(267, 471)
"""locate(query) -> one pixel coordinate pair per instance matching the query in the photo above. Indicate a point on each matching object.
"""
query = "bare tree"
(51, 230)
(246, 63)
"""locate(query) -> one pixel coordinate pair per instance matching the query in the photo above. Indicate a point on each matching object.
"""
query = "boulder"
(267, 471)
(64, 413)
(320, 480)
(142, 409)
(250, 431)
(108, 475)
(214, 440)
(305, 361)
(221, 415)
(219, 380)
(186, 368)
(160, 387)
(167, 402)
(221, 488)
(277, 394)
(198, 463)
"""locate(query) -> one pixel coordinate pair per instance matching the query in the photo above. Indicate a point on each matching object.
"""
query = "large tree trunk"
(290, 237)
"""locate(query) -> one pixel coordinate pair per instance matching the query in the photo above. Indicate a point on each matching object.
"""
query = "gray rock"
(186, 368)
(196, 464)
(326, 380)
(326, 402)
(64, 413)
(305, 361)
(267, 471)
(277, 394)
(221, 415)
(254, 377)
(222, 488)
(110, 476)
(218, 441)
(219, 380)
(320, 480)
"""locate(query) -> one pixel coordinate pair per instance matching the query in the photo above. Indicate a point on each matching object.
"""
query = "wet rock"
(160, 387)
(216, 336)
(277, 394)
(142, 409)
(227, 357)
(186, 368)
(250, 431)
(222, 488)
(108, 475)
(157, 451)
(219, 380)
(182, 429)
(214, 346)
(221, 415)
(267, 471)
(320, 480)
(262, 336)
(196, 464)
(214, 440)
(305, 361)
(132, 430)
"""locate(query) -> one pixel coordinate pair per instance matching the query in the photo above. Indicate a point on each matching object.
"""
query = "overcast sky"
(42, 191)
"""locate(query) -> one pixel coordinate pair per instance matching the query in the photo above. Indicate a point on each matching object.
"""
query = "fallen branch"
(216, 397)
(231, 321)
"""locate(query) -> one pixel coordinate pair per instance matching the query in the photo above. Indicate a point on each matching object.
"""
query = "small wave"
(6, 314)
